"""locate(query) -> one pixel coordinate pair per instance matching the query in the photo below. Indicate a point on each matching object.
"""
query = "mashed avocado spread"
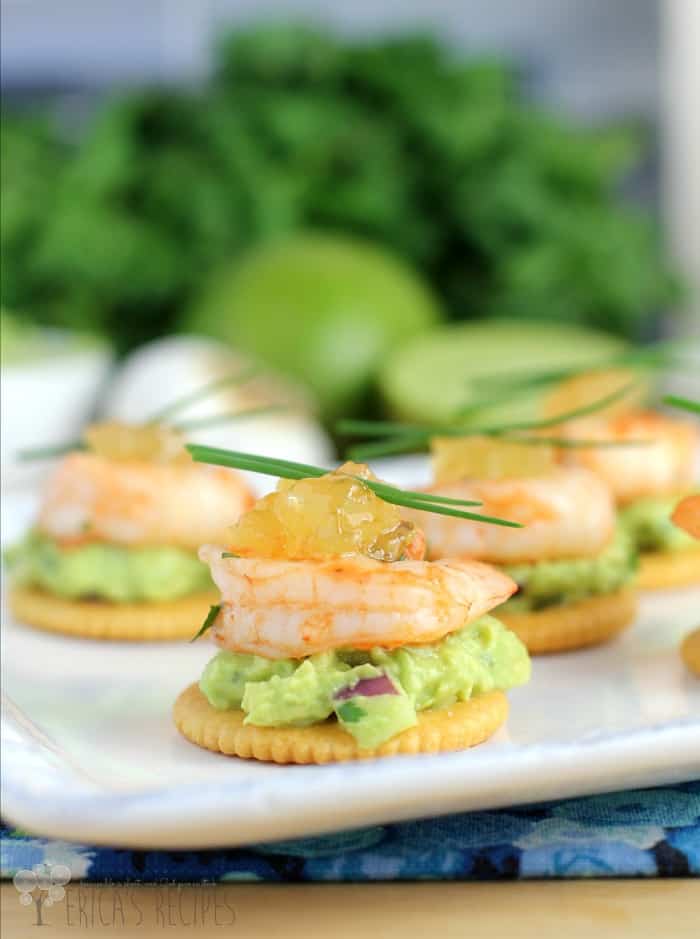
(373, 693)
(552, 583)
(648, 523)
(107, 571)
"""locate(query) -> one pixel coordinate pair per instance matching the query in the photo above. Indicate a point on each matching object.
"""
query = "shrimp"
(663, 467)
(90, 498)
(687, 515)
(282, 608)
(566, 513)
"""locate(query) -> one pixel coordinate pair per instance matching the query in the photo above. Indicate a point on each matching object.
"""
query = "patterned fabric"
(642, 833)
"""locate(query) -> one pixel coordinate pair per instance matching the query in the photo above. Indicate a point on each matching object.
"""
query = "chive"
(438, 508)
(229, 554)
(197, 423)
(407, 437)
(421, 501)
(600, 404)
(444, 500)
(235, 378)
(239, 378)
(48, 453)
(498, 430)
(379, 448)
(208, 622)
(379, 488)
(686, 404)
(574, 443)
(656, 356)
(355, 428)
(251, 461)
(505, 392)
(363, 452)
(527, 381)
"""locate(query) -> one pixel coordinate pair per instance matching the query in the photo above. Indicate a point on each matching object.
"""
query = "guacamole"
(551, 583)
(374, 693)
(648, 523)
(107, 571)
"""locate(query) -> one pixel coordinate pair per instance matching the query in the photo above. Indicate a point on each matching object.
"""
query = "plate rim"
(67, 805)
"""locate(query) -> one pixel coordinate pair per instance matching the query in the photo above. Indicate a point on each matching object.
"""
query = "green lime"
(431, 377)
(323, 308)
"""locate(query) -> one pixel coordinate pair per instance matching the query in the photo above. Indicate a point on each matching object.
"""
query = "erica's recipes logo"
(105, 905)
(43, 885)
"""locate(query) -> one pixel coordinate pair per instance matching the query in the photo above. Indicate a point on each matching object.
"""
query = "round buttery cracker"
(690, 651)
(94, 619)
(573, 625)
(458, 727)
(659, 569)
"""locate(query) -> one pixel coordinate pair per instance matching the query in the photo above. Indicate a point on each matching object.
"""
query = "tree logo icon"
(43, 885)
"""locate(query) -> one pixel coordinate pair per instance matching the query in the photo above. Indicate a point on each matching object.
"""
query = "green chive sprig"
(208, 622)
(49, 453)
(179, 404)
(286, 469)
(175, 407)
(648, 358)
(686, 404)
(199, 423)
(406, 438)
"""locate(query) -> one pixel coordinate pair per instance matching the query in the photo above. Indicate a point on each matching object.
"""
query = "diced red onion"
(368, 688)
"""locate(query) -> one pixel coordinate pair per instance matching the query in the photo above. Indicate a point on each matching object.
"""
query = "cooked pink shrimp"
(566, 513)
(687, 515)
(130, 502)
(664, 467)
(281, 608)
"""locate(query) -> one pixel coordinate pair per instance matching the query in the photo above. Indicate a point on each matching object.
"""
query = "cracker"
(661, 569)
(458, 727)
(92, 619)
(573, 625)
(690, 651)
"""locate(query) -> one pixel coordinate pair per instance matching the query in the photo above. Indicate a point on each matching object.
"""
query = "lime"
(431, 377)
(323, 308)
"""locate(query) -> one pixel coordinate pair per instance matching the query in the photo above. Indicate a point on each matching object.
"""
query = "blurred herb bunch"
(506, 209)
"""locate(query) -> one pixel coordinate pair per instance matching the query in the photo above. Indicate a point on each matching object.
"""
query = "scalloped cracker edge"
(663, 569)
(571, 626)
(458, 727)
(92, 619)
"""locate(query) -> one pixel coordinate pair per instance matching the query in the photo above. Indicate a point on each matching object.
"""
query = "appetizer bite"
(338, 641)
(687, 516)
(646, 482)
(574, 568)
(113, 551)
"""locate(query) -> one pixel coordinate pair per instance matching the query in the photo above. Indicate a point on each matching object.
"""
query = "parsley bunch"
(505, 208)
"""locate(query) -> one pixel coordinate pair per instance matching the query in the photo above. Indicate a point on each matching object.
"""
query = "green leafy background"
(506, 210)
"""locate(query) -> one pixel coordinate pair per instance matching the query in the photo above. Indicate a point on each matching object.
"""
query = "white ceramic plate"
(90, 752)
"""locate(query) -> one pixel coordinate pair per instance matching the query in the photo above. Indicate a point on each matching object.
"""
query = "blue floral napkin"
(641, 833)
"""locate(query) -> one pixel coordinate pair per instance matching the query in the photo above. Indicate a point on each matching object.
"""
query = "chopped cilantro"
(350, 712)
